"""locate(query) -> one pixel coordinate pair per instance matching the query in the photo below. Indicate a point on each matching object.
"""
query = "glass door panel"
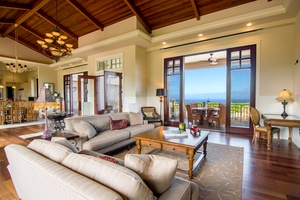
(241, 88)
(87, 98)
(173, 109)
(113, 91)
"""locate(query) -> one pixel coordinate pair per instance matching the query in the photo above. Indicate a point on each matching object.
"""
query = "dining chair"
(257, 128)
(192, 116)
(220, 117)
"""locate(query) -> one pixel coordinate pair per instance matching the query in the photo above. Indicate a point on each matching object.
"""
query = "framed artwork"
(49, 86)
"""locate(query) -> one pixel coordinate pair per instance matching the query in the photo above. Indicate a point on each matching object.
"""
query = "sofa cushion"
(102, 156)
(64, 142)
(106, 138)
(99, 122)
(53, 151)
(117, 116)
(157, 172)
(135, 118)
(138, 129)
(117, 124)
(85, 129)
(119, 178)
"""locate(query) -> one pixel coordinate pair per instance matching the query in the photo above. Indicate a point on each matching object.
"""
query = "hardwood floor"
(266, 175)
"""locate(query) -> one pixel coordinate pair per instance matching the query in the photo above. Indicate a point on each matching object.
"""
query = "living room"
(277, 46)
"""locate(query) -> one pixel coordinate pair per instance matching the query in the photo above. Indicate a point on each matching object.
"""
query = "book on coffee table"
(175, 134)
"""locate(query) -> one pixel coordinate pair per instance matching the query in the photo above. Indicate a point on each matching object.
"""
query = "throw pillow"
(53, 151)
(86, 129)
(135, 118)
(63, 141)
(117, 124)
(149, 114)
(102, 156)
(157, 172)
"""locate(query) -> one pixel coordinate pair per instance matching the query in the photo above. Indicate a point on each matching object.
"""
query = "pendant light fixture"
(16, 67)
(14, 84)
(1, 77)
(55, 44)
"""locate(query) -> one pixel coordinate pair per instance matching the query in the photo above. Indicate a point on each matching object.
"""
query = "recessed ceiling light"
(249, 24)
(164, 43)
(200, 35)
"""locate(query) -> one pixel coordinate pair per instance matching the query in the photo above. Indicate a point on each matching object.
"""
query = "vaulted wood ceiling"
(76, 18)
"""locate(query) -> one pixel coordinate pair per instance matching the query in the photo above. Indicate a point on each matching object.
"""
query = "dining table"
(289, 121)
(206, 113)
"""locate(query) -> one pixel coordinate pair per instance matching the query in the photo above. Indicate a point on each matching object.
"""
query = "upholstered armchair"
(150, 114)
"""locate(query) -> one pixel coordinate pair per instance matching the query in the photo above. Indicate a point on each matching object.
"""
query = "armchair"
(150, 114)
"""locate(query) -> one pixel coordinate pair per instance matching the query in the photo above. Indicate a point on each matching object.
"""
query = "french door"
(240, 89)
(87, 95)
(241, 70)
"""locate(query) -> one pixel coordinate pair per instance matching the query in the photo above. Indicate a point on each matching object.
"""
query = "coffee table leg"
(204, 148)
(138, 146)
(191, 154)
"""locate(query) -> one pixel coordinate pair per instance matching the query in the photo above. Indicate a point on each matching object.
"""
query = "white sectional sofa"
(51, 171)
(97, 134)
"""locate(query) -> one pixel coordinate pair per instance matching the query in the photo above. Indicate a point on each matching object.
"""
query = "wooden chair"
(257, 128)
(220, 117)
(192, 116)
(150, 114)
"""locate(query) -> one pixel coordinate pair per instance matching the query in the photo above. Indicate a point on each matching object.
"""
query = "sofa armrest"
(181, 189)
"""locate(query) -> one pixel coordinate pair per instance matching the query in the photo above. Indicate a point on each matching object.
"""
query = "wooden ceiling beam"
(7, 21)
(38, 5)
(54, 23)
(138, 15)
(17, 6)
(81, 10)
(195, 9)
(32, 32)
(29, 46)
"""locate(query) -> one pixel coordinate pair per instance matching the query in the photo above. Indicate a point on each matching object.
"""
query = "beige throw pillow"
(51, 150)
(63, 141)
(136, 118)
(157, 172)
(85, 129)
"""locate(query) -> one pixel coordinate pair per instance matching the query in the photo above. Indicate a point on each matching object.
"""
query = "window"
(112, 63)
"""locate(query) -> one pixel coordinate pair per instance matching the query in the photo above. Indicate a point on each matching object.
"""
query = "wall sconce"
(284, 97)
(161, 92)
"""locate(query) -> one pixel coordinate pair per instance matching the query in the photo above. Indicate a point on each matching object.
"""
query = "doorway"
(238, 68)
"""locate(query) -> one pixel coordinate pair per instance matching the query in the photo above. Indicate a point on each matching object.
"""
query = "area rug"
(31, 135)
(219, 175)
(14, 125)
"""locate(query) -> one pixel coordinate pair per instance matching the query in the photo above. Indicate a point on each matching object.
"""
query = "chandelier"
(55, 44)
(16, 67)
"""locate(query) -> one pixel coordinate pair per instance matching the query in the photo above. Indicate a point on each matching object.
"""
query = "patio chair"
(192, 116)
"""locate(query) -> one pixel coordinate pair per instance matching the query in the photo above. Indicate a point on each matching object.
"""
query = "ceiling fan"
(212, 60)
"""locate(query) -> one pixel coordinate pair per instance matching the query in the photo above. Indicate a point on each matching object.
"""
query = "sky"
(208, 83)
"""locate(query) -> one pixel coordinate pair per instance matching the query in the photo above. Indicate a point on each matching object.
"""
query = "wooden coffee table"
(188, 145)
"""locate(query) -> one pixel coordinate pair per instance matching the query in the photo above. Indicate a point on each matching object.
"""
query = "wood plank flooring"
(266, 175)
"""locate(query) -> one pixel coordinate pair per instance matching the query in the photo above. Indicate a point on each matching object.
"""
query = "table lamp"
(161, 92)
(44, 97)
(284, 97)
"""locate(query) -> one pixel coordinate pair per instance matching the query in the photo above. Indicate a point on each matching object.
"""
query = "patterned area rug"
(219, 175)
(14, 125)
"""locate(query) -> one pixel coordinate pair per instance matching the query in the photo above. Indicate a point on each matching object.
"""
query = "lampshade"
(45, 96)
(284, 96)
(161, 92)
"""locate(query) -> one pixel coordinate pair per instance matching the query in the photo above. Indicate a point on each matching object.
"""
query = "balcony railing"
(239, 112)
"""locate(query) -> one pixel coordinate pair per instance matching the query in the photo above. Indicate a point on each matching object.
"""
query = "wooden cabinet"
(17, 112)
